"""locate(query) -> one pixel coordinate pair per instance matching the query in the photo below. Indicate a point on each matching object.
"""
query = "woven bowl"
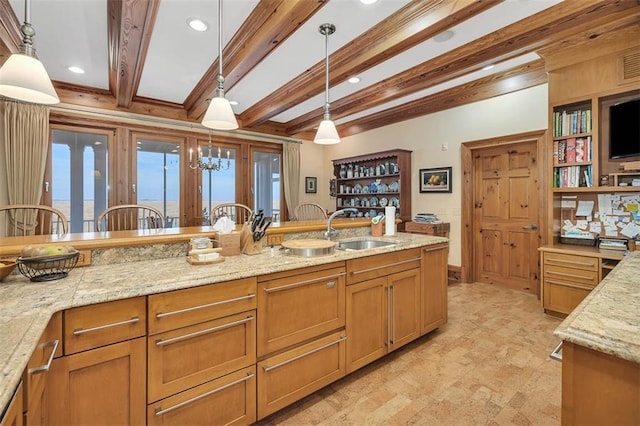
(6, 267)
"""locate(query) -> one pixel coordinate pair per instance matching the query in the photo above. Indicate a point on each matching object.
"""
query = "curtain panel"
(291, 175)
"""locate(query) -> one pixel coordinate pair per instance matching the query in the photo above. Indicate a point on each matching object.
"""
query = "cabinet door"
(183, 358)
(104, 386)
(433, 312)
(404, 308)
(296, 373)
(13, 414)
(366, 322)
(229, 400)
(299, 307)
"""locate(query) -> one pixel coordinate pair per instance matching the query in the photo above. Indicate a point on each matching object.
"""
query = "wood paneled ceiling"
(141, 57)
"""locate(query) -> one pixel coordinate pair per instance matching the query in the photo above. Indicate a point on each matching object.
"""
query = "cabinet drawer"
(292, 375)
(229, 400)
(101, 324)
(49, 347)
(299, 307)
(186, 357)
(563, 298)
(571, 261)
(370, 267)
(561, 274)
(175, 309)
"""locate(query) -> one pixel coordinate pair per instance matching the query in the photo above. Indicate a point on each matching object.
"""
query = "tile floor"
(488, 366)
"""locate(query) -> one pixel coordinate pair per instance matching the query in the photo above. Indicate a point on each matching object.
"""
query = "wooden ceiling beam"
(10, 37)
(270, 23)
(130, 24)
(518, 78)
(549, 26)
(411, 25)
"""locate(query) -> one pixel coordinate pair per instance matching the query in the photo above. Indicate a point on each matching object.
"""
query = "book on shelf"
(571, 122)
(572, 150)
(570, 147)
(573, 177)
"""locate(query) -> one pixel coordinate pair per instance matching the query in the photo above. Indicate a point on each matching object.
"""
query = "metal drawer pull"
(555, 354)
(566, 284)
(160, 411)
(161, 342)
(586, 277)
(427, 250)
(301, 283)
(79, 331)
(572, 262)
(45, 367)
(375, 268)
(295, 358)
(208, 305)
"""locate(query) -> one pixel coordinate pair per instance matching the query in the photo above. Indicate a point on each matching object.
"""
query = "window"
(158, 177)
(267, 182)
(79, 165)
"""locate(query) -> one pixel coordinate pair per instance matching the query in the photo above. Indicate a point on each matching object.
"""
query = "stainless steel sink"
(362, 244)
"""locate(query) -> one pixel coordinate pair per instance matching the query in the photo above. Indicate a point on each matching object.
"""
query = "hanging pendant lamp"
(219, 115)
(327, 133)
(23, 77)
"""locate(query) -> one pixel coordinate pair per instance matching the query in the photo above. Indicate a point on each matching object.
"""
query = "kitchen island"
(601, 351)
(26, 308)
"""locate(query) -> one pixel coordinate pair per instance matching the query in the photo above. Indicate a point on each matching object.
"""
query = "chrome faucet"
(330, 231)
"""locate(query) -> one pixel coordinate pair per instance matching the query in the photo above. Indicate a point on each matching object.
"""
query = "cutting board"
(309, 247)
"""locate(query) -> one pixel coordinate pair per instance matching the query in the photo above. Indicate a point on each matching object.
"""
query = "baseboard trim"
(454, 274)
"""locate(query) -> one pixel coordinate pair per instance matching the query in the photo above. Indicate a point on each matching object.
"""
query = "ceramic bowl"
(6, 267)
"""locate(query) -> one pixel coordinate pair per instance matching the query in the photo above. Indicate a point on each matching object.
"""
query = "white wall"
(518, 112)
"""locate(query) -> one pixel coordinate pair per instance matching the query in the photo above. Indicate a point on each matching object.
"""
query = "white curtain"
(291, 175)
(24, 142)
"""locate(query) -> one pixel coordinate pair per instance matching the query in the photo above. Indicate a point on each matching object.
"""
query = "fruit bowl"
(6, 267)
(48, 268)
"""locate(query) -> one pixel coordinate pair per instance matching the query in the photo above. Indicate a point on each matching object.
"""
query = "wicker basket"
(47, 268)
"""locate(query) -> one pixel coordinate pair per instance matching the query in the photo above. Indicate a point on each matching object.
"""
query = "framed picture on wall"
(310, 185)
(435, 180)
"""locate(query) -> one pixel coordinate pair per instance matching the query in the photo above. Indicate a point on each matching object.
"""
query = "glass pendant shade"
(219, 115)
(327, 133)
(24, 78)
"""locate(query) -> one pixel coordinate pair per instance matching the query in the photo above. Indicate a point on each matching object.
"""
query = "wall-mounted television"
(624, 129)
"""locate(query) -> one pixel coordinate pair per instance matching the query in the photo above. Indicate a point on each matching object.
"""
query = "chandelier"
(211, 164)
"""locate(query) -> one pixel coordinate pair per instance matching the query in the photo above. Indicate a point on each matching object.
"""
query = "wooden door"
(366, 322)
(404, 303)
(505, 216)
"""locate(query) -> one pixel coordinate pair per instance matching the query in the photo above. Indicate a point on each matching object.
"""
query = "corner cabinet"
(374, 181)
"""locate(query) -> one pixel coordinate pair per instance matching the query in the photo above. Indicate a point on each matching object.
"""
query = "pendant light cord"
(26, 47)
(220, 78)
(326, 30)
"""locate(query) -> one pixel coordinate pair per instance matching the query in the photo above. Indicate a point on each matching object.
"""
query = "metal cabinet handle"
(79, 331)
(427, 250)
(566, 284)
(208, 305)
(45, 367)
(161, 342)
(570, 262)
(555, 353)
(375, 268)
(563, 274)
(301, 283)
(267, 368)
(160, 411)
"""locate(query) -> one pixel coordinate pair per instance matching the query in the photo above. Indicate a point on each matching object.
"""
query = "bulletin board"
(604, 215)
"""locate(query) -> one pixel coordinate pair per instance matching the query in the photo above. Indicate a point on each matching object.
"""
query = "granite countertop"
(608, 319)
(26, 307)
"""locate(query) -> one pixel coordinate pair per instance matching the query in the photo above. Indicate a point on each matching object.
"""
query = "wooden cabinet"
(291, 375)
(102, 377)
(205, 348)
(598, 388)
(434, 294)
(13, 415)
(295, 306)
(383, 305)
(566, 280)
(371, 182)
(436, 229)
(36, 375)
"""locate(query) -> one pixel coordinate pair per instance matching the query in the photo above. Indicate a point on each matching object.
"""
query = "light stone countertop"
(26, 307)
(608, 319)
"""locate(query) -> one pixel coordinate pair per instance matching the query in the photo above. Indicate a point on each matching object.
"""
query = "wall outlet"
(444, 146)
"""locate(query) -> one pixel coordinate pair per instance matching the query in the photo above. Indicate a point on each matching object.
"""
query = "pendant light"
(23, 76)
(327, 133)
(219, 114)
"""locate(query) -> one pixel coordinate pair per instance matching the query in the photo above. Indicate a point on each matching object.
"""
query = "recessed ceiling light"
(368, 1)
(487, 67)
(174, 150)
(197, 24)
(354, 80)
(76, 70)
(96, 143)
(233, 102)
(443, 36)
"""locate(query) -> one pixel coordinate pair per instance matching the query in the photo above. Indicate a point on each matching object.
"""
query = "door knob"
(532, 227)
